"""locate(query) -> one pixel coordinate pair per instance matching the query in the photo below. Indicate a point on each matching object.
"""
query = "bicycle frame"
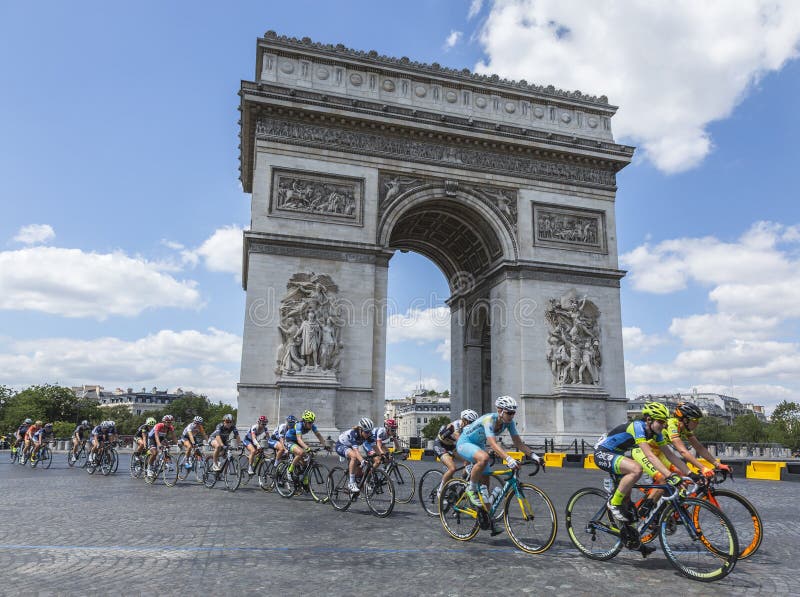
(511, 485)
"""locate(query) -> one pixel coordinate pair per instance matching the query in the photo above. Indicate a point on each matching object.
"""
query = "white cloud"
(204, 362)
(452, 39)
(672, 68)
(74, 283)
(420, 326)
(474, 8)
(35, 234)
(633, 338)
(749, 342)
(402, 380)
(220, 252)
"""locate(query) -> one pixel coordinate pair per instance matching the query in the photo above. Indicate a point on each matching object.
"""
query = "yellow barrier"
(415, 454)
(769, 470)
(703, 461)
(516, 455)
(554, 459)
(588, 462)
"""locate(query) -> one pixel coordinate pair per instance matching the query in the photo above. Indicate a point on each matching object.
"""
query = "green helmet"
(656, 411)
(150, 421)
(308, 416)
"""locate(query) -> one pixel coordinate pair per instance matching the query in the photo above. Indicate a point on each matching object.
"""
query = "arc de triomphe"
(507, 187)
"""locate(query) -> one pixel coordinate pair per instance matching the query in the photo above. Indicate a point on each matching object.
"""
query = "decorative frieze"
(441, 154)
(312, 196)
(569, 228)
(573, 345)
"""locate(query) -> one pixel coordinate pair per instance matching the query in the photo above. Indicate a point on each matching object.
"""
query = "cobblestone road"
(65, 532)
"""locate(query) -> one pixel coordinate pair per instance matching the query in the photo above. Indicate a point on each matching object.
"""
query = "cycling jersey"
(22, 430)
(280, 432)
(351, 438)
(253, 434)
(447, 432)
(195, 429)
(298, 429)
(477, 432)
(162, 429)
(381, 434)
(31, 430)
(224, 433)
(143, 431)
(42, 435)
(80, 429)
(628, 435)
(673, 430)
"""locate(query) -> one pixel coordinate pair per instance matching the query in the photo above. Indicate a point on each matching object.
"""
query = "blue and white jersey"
(293, 432)
(351, 438)
(80, 429)
(477, 432)
(380, 433)
(255, 433)
(280, 432)
(42, 435)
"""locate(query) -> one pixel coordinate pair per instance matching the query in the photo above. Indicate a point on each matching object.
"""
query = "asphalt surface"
(64, 532)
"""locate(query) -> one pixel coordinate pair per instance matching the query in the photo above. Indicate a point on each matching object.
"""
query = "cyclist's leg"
(218, 445)
(447, 460)
(650, 470)
(476, 489)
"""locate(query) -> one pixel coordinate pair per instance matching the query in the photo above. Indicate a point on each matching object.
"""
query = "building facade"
(138, 403)
(713, 405)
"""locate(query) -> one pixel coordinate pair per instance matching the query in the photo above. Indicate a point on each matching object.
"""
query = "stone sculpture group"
(574, 341)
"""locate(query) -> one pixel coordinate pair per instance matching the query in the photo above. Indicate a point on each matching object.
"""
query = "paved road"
(65, 532)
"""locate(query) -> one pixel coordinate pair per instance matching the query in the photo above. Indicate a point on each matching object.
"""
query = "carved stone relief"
(569, 228)
(309, 196)
(310, 328)
(573, 345)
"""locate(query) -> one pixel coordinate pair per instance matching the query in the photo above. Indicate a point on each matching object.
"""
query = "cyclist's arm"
(681, 448)
(301, 443)
(675, 460)
(320, 438)
(703, 452)
(191, 437)
(521, 446)
(647, 450)
(492, 442)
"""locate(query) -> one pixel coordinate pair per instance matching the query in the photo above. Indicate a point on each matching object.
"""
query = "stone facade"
(508, 187)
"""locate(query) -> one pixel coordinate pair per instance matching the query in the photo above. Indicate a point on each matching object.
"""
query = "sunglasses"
(510, 412)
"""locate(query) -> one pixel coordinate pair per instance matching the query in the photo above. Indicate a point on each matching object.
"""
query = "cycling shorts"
(647, 466)
(467, 450)
(608, 460)
(439, 449)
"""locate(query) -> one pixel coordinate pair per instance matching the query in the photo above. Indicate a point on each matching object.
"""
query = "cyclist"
(219, 438)
(189, 437)
(19, 434)
(277, 438)
(350, 445)
(444, 446)
(680, 429)
(381, 436)
(40, 438)
(26, 450)
(77, 435)
(294, 437)
(472, 442)
(643, 437)
(140, 437)
(157, 436)
(104, 432)
(251, 441)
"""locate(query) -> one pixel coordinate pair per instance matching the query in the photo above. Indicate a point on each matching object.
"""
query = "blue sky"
(121, 206)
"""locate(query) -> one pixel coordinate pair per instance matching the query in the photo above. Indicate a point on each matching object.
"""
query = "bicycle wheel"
(266, 477)
(13, 454)
(233, 474)
(46, 458)
(183, 472)
(317, 478)
(284, 484)
(106, 463)
(530, 519)
(155, 466)
(590, 526)
(405, 485)
(199, 467)
(745, 519)
(428, 487)
(244, 464)
(338, 493)
(72, 458)
(83, 457)
(379, 492)
(169, 472)
(457, 515)
(210, 476)
(137, 466)
(114, 460)
(708, 550)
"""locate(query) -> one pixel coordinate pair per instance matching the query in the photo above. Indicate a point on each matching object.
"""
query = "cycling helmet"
(656, 411)
(38, 423)
(687, 410)
(48, 426)
(291, 420)
(366, 424)
(85, 423)
(262, 420)
(390, 424)
(198, 420)
(104, 425)
(29, 421)
(111, 423)
(167, 419)
(309, 416)
(228, 417)
(150, 421)
(506, 403)
(469, 415)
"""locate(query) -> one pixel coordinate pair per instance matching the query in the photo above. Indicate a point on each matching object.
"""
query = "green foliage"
(432, 428)
(711, 429)
(63, 429)
(786, 419)
(45, 402)
(186, 408)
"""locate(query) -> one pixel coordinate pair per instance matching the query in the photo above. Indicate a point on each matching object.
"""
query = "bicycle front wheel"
(317, 477)
(379, 492)
(338, 492)
(428, 491)
(244, 464)
(169, 472)
(183, 472)
(745, 519)
(456, 513)
(72, 458)
(284, 484)
(530, 519)
(590, 526)
(46, 458)
(266, 477)
(136, 466)
(106, 463)
(114, 460)
(700, 542)
(233, 474)
(210, 476)
(405, 484)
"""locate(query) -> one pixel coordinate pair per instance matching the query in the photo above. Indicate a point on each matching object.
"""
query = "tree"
(786, 423)
(432, 428)
(711, 429)
(747, 428)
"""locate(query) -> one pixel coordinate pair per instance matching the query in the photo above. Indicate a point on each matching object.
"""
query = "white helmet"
(366, 424)
(469, 415)
(506, 403)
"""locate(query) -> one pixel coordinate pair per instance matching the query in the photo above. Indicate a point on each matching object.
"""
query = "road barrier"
(769, 470)
(554, 459)
(588, 462)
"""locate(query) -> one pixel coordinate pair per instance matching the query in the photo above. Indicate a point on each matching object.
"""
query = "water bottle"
(496, 493)
(608, 485)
